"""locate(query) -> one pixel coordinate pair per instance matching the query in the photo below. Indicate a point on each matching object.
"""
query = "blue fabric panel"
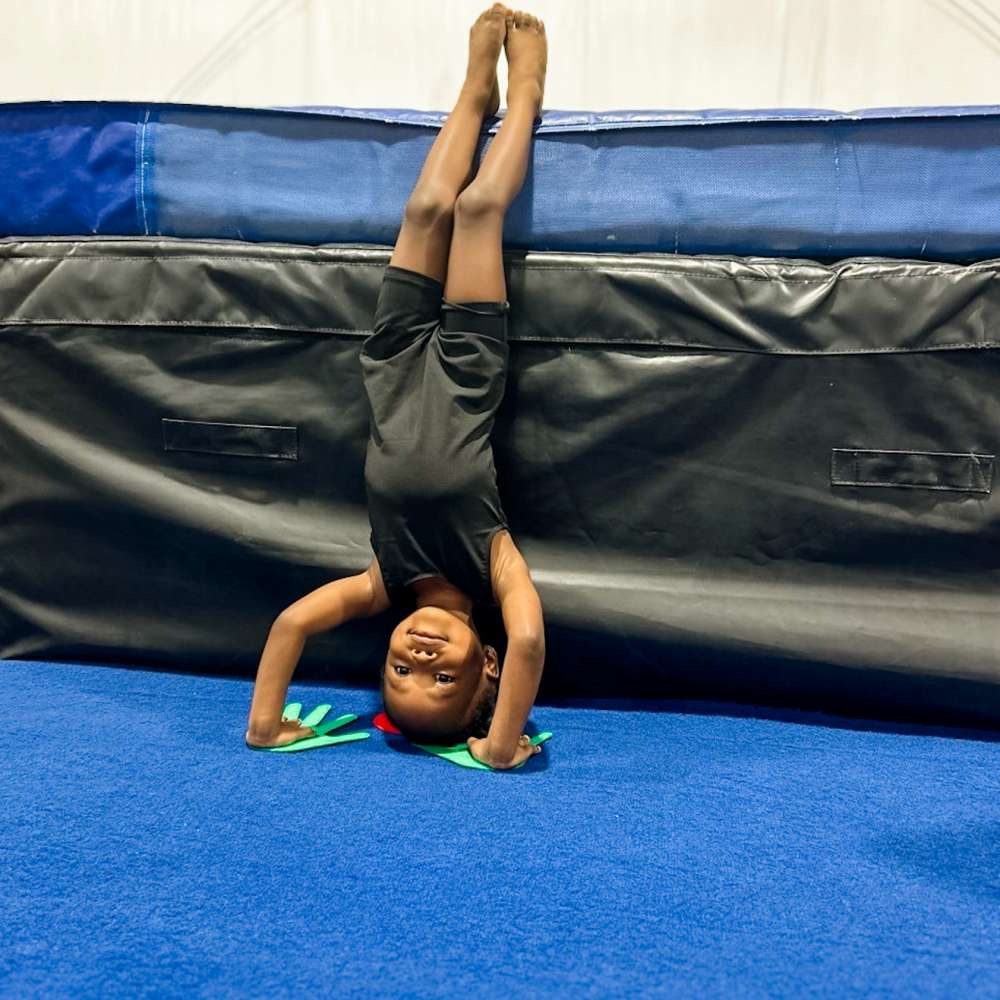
(291, 178)
(926, 188)
(905, 182)
(68, 169)
(792, 188)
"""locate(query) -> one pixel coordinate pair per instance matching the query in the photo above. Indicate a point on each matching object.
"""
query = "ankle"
(476, 94)
(525, 90)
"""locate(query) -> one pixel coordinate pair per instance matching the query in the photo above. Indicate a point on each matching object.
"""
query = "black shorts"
(433, 369)
(411, 306)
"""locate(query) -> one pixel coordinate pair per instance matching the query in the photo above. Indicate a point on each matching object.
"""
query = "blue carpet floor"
(690, 851)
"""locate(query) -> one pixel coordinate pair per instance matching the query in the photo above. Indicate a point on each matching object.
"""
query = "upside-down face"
(437, 672)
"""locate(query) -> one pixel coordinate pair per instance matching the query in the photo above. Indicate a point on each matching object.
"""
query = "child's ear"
(492, 666)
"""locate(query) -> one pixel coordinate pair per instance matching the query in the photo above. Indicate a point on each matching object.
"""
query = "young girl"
(434, 372)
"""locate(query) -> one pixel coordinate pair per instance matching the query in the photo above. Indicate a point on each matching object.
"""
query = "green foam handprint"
(459, 753)
(314, 721)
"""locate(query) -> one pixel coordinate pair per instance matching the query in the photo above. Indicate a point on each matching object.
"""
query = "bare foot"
(486, 38)
(527, 51)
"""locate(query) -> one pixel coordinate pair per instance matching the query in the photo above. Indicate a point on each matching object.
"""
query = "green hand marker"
(459, 754)
(314, 721)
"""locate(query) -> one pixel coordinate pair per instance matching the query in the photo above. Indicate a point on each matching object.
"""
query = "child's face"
(435, 684)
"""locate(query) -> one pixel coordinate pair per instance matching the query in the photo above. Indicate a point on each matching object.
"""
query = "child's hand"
(294, 734)
(480, 749)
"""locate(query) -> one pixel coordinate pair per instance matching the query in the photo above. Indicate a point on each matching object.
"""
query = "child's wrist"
(262, 732)
(498, 754)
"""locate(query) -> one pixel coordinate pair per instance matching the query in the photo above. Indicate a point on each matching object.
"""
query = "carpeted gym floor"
(668, 849)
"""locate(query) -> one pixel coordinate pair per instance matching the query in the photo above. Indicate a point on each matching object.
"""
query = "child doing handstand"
(434, 371)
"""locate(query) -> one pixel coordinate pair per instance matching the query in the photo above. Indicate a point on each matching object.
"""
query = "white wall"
(603, 54)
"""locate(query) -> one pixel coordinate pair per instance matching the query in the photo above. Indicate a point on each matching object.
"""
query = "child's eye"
(445, 678)
(400, 669)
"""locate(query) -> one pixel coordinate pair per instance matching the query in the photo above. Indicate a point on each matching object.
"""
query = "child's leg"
(475, 263)
(425, 236)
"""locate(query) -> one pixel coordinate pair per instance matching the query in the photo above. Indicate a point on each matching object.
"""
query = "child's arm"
(326, 607)
(503, 746)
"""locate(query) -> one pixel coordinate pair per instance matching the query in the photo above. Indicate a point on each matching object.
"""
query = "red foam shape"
(381, 721)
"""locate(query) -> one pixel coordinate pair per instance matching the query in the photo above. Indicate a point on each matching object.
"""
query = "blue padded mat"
(685, 850)
(908, 182)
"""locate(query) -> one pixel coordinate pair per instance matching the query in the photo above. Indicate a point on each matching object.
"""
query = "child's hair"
(488, 626)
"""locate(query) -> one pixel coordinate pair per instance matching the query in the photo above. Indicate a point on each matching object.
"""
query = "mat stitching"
(590, 270)
(142, 173)
(213, 325)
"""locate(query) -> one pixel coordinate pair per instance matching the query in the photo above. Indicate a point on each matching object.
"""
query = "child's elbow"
(529, 645)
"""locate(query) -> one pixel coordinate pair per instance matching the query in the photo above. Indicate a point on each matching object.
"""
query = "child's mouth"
(425, 635)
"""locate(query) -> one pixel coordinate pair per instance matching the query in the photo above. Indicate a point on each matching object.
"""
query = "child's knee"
(429, 206)
(479, 200)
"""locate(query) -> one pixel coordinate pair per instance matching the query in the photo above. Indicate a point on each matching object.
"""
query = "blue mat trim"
(905, 182)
